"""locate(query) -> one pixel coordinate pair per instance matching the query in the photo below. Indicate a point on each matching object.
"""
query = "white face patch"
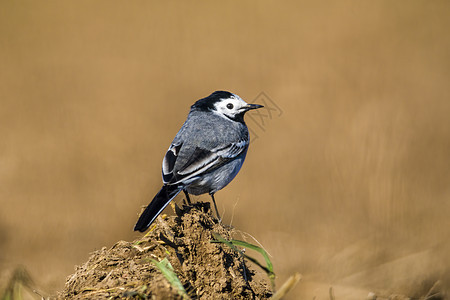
(230, 107)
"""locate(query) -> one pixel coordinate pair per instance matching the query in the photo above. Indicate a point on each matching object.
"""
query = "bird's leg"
(187, 197)
(215, 206)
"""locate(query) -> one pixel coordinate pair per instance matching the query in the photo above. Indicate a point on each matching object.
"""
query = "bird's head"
(225, 104)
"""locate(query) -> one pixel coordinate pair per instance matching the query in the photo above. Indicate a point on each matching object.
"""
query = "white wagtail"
(205, 155)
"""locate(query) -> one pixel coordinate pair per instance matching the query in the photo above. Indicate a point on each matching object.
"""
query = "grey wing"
(200, 161)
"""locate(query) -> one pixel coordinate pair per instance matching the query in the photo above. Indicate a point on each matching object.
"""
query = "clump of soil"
(207, 270)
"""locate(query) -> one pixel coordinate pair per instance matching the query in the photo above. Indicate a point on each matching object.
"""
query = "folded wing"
(201, 160)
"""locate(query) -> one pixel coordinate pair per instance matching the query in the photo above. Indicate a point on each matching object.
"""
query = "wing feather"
(169, 162)
(203, 160)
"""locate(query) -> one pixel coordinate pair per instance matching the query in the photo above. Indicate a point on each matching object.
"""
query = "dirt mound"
(206, 270)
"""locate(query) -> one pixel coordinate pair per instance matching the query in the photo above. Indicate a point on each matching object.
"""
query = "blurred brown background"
(347, 183)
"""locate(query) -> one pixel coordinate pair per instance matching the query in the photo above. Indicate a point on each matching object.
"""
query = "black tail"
(152, 211)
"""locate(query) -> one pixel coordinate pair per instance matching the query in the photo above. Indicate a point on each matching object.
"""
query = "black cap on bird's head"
(207, 103)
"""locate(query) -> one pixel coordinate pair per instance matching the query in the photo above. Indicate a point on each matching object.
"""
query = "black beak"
(252, 106)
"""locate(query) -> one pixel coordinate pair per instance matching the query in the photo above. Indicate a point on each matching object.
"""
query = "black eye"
(230, 106)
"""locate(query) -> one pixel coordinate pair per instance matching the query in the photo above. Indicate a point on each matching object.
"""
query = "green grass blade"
(167, 270)
(233, 243)
(256, 248)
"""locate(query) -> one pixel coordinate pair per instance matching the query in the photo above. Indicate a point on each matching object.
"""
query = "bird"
(206, 153)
